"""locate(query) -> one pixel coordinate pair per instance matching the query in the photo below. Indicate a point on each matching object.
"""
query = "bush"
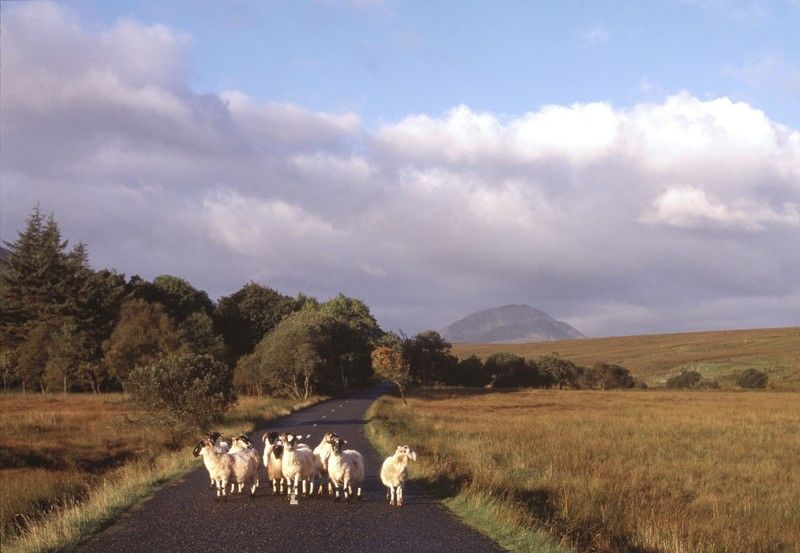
(612, 376)
(752, 378)
(185, 389)
(686, 379)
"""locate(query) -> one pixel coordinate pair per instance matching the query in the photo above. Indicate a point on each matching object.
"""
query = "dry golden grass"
(715, 355)
(676, 472)
(68, 463)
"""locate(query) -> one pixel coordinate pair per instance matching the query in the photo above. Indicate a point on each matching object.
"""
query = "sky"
(628, 167)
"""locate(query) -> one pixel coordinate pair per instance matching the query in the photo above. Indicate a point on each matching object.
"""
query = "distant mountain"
(509, 324)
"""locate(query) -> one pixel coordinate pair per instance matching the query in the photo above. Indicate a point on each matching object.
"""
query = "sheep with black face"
(219, 465)
(297, 464)
(345, 468)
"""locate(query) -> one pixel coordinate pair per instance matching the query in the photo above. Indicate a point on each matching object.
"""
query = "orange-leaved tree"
(389, 363)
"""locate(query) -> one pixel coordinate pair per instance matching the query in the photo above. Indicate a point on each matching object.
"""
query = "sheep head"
(405, 450)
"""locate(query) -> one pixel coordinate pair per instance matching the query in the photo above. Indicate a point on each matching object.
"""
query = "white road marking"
(315, 424)
(332, 410)
(324, 416)
(340, 405)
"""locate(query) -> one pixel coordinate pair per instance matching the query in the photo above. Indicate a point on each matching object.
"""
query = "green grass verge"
(498, 517)
(67, 526)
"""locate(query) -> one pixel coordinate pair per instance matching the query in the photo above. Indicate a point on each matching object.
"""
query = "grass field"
(716, 355)
(70, 463)
(633, 471)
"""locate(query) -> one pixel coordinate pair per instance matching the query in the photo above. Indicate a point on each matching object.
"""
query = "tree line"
(426, 359)
(67, 327)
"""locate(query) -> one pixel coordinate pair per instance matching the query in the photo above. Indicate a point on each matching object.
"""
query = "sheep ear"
(264, 437)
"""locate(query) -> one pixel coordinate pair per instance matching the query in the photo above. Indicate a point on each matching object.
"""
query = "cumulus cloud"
(670, 215)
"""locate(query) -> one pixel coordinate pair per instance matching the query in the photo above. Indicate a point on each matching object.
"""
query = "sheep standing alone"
(394, 471)
(345, 469)
(321, 455)
(273, 451)
(297, 464)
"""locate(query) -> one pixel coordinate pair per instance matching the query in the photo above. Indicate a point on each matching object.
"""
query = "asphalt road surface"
(183, 516)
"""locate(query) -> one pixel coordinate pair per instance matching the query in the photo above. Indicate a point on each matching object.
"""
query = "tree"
(246, 316)
(39, 279)
(389, 363)
(290, 360)
(143, 334)
(179, 298)
(752, 378)
(352, 340)
(32, 355)
(68, 351)
(187, 390)
(197, 335)
(561, 372)
(428, 356)
(469, 371)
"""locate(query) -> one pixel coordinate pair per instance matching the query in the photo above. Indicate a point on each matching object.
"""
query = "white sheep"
(321, 455)
(345, 469)
(245, 469)
(297, 464)
(394, 471)
(219, 447)
(243, 447)
(273, 451)
(219, 465)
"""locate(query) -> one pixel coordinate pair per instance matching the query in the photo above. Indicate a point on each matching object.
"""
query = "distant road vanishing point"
(183, 516)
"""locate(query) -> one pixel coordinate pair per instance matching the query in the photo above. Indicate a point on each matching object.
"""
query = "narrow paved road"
(183, 516)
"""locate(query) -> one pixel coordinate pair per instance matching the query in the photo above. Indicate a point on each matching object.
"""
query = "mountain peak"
(509, 324)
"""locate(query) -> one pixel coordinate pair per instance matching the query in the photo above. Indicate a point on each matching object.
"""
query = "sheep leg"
(399, 495)
(391, 492)
(358, 492)
(305, 488)
(253, 488)
(347, 489)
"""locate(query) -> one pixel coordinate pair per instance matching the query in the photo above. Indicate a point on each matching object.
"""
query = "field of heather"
(634, 471)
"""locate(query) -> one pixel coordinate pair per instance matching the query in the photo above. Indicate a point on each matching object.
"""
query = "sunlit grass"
(69, 464)
(673, 472)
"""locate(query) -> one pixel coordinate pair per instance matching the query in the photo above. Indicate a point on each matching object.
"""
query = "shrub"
(752, 378)
(686, 379)
(185, 389)
(612, 376)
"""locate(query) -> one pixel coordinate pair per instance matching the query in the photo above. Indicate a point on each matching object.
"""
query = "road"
(183, 516)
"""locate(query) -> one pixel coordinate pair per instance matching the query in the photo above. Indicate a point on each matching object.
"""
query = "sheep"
(273, 451)
(394, 471)
(297, 464)
(321, 454)
(245, 469)
(345, 469)
(242, 445)
(219, 447)
(222, 447)
(219, 465)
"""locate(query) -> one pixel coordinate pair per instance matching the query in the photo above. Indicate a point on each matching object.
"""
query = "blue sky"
(628, 167)
(385, 60)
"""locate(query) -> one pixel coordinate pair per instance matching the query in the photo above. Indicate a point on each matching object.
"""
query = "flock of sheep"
(292, 466)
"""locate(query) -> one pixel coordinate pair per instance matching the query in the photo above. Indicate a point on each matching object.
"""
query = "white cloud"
(618, 219)
(691, 208)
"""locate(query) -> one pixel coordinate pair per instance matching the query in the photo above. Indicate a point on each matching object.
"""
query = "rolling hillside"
(654, 357)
